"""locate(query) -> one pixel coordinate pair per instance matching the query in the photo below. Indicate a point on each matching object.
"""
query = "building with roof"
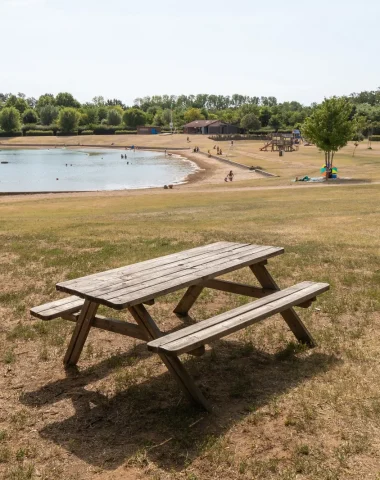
(144, 130)
(210, 127)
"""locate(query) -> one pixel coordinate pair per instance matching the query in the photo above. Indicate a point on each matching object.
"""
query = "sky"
(124, 49)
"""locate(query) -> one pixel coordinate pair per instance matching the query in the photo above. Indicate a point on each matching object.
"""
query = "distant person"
(231, 175)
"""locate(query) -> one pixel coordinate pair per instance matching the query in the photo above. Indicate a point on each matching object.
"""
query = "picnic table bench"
(133, 286)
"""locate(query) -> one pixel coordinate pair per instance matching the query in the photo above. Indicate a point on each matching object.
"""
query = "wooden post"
(188, 300)
(79, 336)
(290, 316)
(173, 364)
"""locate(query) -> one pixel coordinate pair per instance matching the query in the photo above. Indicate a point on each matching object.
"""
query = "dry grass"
(283, 412)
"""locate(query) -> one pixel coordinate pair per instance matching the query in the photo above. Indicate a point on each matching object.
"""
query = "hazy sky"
(302, 50)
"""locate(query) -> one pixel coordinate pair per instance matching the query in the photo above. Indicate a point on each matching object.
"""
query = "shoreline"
(202, 169)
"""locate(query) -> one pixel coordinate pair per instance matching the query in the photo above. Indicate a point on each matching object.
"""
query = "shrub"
(60, 133)
(375, 138)
(238, 136)
(125, 132)
(87, 132)
(104, 130)
(42, 128)
(39, 133)
(10, 134)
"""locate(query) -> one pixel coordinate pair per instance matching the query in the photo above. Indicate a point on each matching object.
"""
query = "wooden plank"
(193, 329)
(197, 352)
(197, 273)
(128, 298)
(173, 364)
(51, 310)
(112, 284)
(235, 323)
(238, 288)
(290, 316)
(80, 333)
(112, 325)
(149, 302)
(193, 275)
(188, 300)
(147, 265)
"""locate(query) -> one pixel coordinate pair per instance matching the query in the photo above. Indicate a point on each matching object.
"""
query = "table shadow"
(152, 421)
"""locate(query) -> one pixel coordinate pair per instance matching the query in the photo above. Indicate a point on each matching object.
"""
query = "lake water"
(62, 169)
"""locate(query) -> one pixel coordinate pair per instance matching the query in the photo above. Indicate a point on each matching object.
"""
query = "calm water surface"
(52, 170)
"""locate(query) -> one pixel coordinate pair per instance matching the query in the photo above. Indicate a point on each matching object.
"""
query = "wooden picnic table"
(132, 286)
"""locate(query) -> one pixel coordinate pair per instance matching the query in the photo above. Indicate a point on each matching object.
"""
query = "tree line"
(63, 111)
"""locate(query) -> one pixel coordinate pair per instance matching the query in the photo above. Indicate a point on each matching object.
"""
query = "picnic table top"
(134, 284)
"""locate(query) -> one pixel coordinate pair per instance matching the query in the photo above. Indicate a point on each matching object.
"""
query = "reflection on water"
(52, 170)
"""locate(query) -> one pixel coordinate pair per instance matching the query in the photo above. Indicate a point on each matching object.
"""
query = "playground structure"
(281, 142)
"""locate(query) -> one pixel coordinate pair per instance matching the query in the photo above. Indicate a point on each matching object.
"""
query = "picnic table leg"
(79, 336)
(173, 364)
(290, 316)
(188, 300)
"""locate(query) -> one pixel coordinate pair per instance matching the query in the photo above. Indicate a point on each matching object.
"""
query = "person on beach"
(231, 175)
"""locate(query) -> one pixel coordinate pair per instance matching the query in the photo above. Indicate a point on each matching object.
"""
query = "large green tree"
(17, 102)
(275, 122)
(92, 115)
(48, 114)
(10, 120)
(134, 117)
(68, 120)
(250, 122)
(29, 116)
(113, 117)
(47, 99)
(65, 99)
(193, 114)
(330, 127)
